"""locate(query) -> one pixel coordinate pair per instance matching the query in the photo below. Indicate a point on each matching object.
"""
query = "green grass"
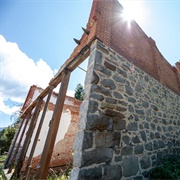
(170, 169)
(2, 159)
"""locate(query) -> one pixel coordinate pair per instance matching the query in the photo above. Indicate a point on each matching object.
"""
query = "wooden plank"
(70, 64)
(19, 143)
(13, 143)
(27, 169)
(27, 139)
(54, 125)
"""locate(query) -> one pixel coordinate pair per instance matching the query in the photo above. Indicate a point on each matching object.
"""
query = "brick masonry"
(106, 23)
(128, 120)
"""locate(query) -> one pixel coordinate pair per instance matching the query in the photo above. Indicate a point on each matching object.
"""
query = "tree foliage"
(6, 136)
(79, 92)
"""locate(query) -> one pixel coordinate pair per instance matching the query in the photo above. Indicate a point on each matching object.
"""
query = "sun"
(133, 10)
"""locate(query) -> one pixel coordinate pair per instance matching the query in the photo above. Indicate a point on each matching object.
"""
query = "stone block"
(108, 83)
(132, 126)
(107, 139)
(99, 122)
(83, 140)
(126, 139)
(93, 106)
(113, 113)
(145, 162)
(127, 150)
(138, 149)
(90, 173)
(95, 96)
(130, 166)
(96, 156)
(112, 172)
(110, 66)
(119, 124)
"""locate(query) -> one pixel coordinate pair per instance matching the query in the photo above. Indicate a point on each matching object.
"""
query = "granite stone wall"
(128, 120)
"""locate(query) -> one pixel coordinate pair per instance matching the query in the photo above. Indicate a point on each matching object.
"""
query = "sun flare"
(133, 10)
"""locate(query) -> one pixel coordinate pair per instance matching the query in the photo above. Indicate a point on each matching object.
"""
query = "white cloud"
(18, 73)
(6, 109)
(70, 93)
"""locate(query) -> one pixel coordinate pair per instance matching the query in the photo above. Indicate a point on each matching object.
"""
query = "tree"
(6, 136)
(79, 92)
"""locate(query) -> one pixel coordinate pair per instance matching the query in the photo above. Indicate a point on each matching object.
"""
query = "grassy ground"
(2, 159)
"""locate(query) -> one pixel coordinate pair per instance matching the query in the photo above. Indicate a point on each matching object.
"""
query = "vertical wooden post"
(27, 139)
(17, 148)
(54, 125)
(27, 169)
(13, 143)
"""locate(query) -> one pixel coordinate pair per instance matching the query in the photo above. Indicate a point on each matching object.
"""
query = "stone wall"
(128, 120)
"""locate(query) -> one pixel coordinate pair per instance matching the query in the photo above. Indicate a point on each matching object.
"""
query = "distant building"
(62, 153)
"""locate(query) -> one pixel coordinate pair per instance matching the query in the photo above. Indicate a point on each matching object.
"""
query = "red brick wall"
(106, 24)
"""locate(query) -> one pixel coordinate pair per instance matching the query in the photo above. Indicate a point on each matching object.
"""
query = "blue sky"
(36, 37)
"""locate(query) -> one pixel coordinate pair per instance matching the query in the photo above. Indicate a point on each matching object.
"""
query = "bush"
(170, 169)
(6, 136)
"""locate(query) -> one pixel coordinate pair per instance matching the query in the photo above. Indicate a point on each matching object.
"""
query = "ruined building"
(130, 116)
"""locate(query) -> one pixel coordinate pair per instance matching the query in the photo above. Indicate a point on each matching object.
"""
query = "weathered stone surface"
(109, 84)
(110, 66)
(122, 72)
(138, 178)
(154, 107)
(132, 126)
(140, 112)
(155, 145)
(143, 135)
(132, 100)
(146, 125)
(96, 156)
(119, 79)
(83, 140)
(157, 135)
(95, 78)
(136, 139)
(153, 126)
(148, 146)
(105, 105)
(131, 109)
(113, 172)
(99, 122)
(145, 162)
(119, 124)
(134, 104)
(138, 149)
(112, 113)
(102, 69)
(111, 100)
(121, 109)
(130, 166)
(117, 95)
(93, 106)
(127, 150)
(107, 139)
(91, 173)
(152, 135)
(97, 96)
(129, 90)
(161, 144)
(126, 139)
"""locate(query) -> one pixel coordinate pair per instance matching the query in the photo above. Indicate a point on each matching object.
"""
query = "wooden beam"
(18, 145)
(27, 169)
(71, 64)
(54, 125)
(27, 140)
(13, 143)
